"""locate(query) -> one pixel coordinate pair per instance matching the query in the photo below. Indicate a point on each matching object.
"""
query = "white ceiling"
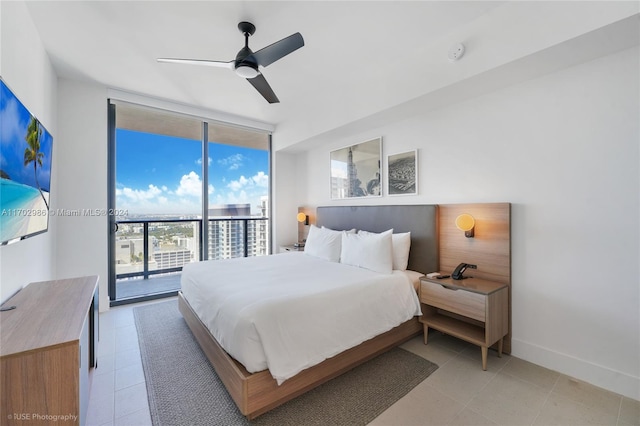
(359, 57)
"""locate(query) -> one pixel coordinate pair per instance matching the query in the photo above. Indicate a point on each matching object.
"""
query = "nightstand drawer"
(466, 303)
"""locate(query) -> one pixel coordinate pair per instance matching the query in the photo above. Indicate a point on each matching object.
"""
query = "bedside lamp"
(465, 222)
(303, 218)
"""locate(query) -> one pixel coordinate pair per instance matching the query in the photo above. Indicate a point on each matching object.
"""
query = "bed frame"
(257, 393)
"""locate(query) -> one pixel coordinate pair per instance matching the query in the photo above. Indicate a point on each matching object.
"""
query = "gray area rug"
(184, 389)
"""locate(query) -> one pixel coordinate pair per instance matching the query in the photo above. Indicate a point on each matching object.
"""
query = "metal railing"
(228, 237)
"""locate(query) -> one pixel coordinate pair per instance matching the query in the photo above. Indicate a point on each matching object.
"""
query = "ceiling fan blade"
(198, 62)
(261, 85)
(278, 50)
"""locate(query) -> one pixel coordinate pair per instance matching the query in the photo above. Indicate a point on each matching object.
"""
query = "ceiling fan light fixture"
(247, 63)
(246, 71)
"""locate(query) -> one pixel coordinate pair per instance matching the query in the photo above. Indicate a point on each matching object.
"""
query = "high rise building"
(172, 258)
(262, 229)
(230, 224)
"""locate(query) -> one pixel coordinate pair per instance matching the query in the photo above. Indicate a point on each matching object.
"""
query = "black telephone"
(457, 273)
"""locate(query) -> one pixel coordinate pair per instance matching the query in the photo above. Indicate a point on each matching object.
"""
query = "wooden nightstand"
(284, 249)
(471, 309)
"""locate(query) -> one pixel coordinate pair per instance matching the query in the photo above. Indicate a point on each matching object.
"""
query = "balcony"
(149, 254)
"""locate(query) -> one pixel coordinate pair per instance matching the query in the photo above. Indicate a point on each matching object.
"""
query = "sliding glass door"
(171, 207)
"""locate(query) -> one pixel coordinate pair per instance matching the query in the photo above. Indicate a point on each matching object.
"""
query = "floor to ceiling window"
(238, 176)
(171, 207)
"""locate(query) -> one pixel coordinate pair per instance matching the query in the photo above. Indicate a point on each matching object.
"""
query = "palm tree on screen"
(32, 154)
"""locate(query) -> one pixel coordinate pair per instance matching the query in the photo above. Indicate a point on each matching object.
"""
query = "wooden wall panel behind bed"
(490, 248)
(420, 220)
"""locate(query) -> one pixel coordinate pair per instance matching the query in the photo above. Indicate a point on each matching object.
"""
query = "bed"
(256, 389)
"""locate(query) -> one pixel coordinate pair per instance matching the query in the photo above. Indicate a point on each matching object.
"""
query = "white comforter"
(290, 311)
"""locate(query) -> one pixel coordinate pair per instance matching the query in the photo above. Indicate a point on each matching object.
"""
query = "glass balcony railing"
(145, 248)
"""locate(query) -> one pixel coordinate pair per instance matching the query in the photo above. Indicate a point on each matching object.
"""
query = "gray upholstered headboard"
(420, 220)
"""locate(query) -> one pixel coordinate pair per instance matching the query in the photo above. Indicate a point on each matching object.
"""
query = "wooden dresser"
(48, 347)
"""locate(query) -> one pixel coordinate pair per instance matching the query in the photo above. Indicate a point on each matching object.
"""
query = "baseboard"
(598, 375)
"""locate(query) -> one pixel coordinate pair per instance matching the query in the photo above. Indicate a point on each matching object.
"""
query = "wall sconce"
(465, 222)
(303, 218)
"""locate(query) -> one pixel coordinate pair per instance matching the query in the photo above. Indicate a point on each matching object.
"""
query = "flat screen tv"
(25, 170)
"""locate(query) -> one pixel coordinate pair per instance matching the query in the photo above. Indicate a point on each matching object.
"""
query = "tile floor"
(510, 392)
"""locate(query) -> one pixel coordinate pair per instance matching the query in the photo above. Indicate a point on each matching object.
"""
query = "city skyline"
(162, 175)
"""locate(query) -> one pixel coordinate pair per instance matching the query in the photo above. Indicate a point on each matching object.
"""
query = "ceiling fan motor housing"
(245, 65)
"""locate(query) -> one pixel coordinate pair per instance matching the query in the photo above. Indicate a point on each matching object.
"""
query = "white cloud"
(233, 162)
(237, 185)
(199, 161)
(245, 190)
(240, 197)
(136, 201)
(190, 185)
(259, 180)
(139, 194)
(187, 195)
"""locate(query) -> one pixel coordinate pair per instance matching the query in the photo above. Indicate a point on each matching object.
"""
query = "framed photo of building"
(402, 170)
(356, 170)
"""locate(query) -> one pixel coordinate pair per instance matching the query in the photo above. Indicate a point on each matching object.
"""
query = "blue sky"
(163, 175)
(14, 119)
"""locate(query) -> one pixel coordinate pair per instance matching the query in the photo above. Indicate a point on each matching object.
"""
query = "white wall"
(26, 69)
(284, 223)
(564, 150)
(82, 241)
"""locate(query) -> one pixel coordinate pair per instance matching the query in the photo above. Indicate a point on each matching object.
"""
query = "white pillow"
(323, 243)
(401, 246)
(350, 231)
(368, 250)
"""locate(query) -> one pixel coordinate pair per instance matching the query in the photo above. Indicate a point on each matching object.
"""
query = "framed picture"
(402, 170)
(356, 170)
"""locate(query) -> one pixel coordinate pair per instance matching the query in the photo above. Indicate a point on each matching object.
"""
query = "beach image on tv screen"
(25, 170)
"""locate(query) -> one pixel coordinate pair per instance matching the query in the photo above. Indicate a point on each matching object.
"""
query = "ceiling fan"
(247, 61)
